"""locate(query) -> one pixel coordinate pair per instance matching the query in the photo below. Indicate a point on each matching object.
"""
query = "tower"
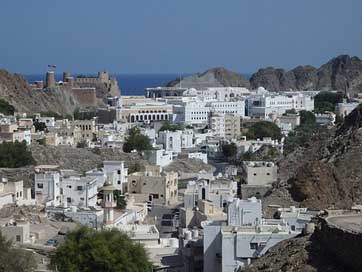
(108, 203)
(50, 79)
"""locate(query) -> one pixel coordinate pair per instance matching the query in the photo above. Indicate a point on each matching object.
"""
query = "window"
(69, 200)
(293, 228)
(69, 186)
(254, 246)
(119, 172)
(82, 198)
(254, 174)
(40, 185)
(18, 238)
(79, 188)
(268, 174)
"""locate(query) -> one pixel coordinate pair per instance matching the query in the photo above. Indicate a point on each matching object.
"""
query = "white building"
(47, 185)
(159, 157)
(252, 146)
(220, 192)
(187, 138)
(117, 171)
(14, 193)
(78, 191)
(296, 218)
(196, 111)
(325, 119)
(264, 104)
(344, 108)
(228, 248)
(48, 121)
(198, 155)
(244, 212)
(170, 140)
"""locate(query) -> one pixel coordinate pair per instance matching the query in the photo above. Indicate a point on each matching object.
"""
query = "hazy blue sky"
(168, 36)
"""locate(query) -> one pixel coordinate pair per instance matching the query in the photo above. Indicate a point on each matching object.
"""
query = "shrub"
(108, 250)
(136, 141)
(14, 155)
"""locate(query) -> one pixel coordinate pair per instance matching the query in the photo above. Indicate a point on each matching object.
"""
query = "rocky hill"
(215, 77)
(343, 73)
(326, 172)
(16, 91)
(301, 254)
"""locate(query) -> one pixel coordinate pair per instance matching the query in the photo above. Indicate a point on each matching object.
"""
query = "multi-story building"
(170, 140)
(264, 104)
(47, 185)
(159, 189)
(88, 129)
(246, 236)
(144, 111)
(225, 125)
(77, 190)
(197, 111)
(259, 172)
(117, 172)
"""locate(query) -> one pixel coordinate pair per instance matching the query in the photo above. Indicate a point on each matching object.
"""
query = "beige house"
(88, 129)
(151, 186)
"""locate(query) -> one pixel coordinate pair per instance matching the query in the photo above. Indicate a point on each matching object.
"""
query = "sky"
(175, 36)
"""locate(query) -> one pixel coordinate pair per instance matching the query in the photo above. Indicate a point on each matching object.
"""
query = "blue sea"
(130, 84)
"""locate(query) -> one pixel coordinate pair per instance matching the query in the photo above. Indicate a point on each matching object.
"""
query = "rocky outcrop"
(326, 172)
(15, 90)
(300, 254)
(215, 77)
(343, 73)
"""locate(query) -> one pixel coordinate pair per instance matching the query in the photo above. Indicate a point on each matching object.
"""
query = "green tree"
(39, 126)
(327, 101)
(229, 150)
(14, 259)
(6, 108)
(89, 250)
(14, 155)
(264, 129)
(307, 118)
(136, 141)
(171, 127)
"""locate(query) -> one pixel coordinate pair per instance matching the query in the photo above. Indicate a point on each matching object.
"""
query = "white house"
(47, 185)
(117, 171)
(78, 191)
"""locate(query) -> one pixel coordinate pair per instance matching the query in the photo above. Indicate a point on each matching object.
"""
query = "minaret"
(108, 203)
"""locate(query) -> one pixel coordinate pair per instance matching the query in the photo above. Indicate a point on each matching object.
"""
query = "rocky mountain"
(343, 73)
(326, 172)
(301, 254)
(215, 77)
(16, 91)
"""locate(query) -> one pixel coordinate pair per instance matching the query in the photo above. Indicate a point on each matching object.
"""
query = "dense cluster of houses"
(218, 217)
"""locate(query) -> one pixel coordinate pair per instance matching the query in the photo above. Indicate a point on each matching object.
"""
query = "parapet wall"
(342, 244)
